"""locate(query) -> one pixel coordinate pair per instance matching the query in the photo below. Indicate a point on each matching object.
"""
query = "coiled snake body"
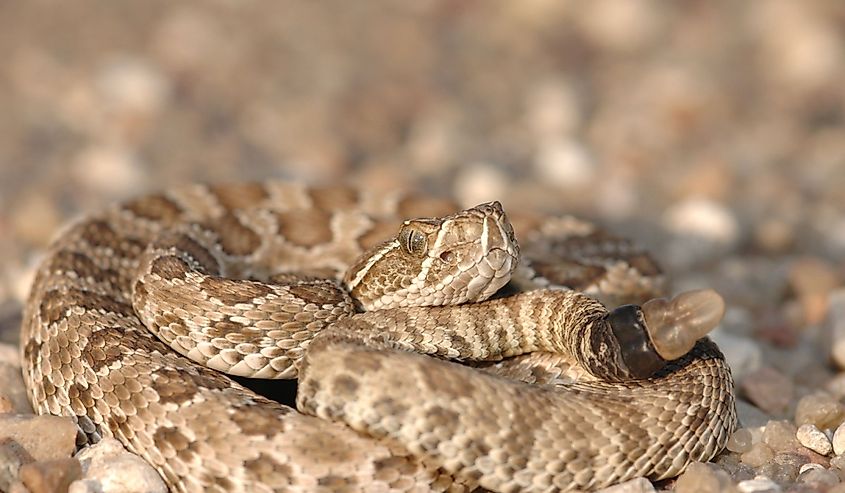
(242, 278)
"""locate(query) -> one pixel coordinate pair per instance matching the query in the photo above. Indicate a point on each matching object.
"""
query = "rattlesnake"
(374, 417)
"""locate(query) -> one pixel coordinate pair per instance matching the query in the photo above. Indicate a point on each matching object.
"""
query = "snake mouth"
(675, 325)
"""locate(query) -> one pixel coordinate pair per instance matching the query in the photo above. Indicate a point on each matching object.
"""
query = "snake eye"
(413, 241)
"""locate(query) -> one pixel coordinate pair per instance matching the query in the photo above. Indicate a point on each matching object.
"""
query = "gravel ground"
(711, 132)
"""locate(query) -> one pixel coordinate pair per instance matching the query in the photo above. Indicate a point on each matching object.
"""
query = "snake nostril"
(447, 256)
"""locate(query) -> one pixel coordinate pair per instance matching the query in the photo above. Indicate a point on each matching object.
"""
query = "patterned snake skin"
(132, 306)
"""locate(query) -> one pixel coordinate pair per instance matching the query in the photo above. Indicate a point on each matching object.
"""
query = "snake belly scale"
(134, 309)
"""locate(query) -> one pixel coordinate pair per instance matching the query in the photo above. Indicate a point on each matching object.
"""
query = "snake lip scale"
(417, 371)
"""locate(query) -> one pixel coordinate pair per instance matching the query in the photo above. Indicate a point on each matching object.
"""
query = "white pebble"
(839, 440)
(808, 466)
(760, 484)
(812, 438)
(565, 163)
(109, 468)
(703, 219)
(109, 169)
(132, 85)
(480, 182)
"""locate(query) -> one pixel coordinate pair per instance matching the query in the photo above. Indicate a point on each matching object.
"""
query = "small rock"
(636, 485)
(479, 183)
(131, 85)
(704, 219)
(820, 409)
(768, 389)
(812, 279)
(109, 468)
(780, 435)
(740, 441)
(836, 324)
(6, 405)
(12, 388)
(701, 478)
(785, 466)
(12, 457)
(838, 461)
(18, 487)
(565, 163)
(808, 466)
(43, 437)
(759, 454)
(759, 484)
(812, 438)
(839, 440)
(818, 477)
(108, 169)
(50, 476)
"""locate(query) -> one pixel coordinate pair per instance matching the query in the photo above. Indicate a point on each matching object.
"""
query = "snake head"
(663, 329)
(462, 257)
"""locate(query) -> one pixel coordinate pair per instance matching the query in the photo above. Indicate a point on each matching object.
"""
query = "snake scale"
(408, 379)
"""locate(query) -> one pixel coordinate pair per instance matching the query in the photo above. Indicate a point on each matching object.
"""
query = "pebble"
(18, 487)
(132, 86)
(768, 389)
(839, 440)
(814, 439)
(12, 457)
(818, 477)
(808, 466)
(6, 405)
(12, 390)
(109, 468)
(703, 219)
(740, 441)
(812, 280)
(50, 476)
(838, 461)
(565, 163)
(759, 484)
(836, 325)
(780, 435)
(820, 409)
(636, 485)
(702, 478)
(479, 183)
(759, 454)
(108, 170)
(43, 437)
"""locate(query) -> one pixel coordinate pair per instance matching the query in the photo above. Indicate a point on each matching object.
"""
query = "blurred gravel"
(711, 132)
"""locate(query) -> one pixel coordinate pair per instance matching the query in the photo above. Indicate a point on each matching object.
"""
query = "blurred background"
(713, 132)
